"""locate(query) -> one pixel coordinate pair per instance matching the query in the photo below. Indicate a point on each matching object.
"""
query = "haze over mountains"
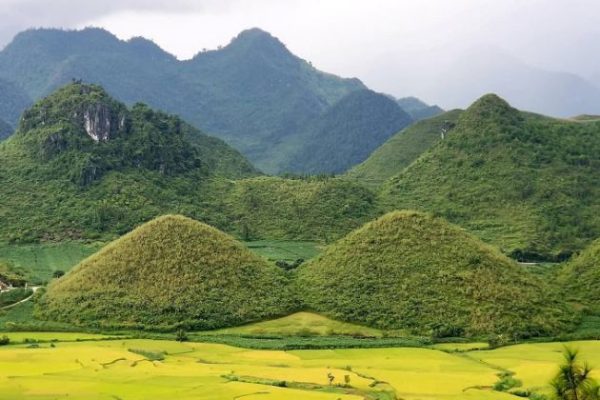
(457, 82)
(253, 93)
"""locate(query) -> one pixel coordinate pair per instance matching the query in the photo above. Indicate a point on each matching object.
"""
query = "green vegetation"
(59, 184)
(284, 250)
(525, 183)
(39, 262)
(403, 148)
(253, 92)
(169, 273)
(10, 275)
(574, 381)
(409, 270)
(345, 135)
(14, 296)
(580, 278)
(306, 209)
(302, 324)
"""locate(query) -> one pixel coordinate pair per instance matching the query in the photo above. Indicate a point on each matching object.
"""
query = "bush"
(4, 340)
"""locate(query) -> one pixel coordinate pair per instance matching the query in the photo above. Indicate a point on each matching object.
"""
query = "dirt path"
(34, 288)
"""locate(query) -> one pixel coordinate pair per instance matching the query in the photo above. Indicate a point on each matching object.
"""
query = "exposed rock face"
(101, 123)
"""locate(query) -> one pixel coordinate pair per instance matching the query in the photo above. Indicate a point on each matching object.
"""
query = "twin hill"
(412, 271)
(526, 183)
(168, 273)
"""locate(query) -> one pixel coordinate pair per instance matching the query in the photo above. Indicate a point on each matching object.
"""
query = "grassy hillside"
(526, 183)
(311, 208)
(344, 135)
(170, 272)
(412, 271)
(580, 278)
(402, 149)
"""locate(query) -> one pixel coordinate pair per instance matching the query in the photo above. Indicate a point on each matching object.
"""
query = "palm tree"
(573, 380)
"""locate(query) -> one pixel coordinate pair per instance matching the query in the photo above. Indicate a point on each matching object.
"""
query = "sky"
(394, 46)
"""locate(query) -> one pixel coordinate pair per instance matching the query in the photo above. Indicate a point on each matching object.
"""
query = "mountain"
(579, 279)
(490, 70)
(84, 166)
(5, 130)
(418, 109)
(254, 92)
(344, 135)
(403, 148)
(527, 183)
(82, 162)
(13, 100)
(169, 273)
(411, 271)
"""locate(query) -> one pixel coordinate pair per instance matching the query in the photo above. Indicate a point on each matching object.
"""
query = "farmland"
(94, 367)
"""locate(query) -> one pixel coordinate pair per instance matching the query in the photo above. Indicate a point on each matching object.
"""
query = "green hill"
(60, 183)
(82, 165)
(171, 272)
(412, 271)
(311, 208)
(344, 135)
(528, 184)
(580, 278)
(402, 149)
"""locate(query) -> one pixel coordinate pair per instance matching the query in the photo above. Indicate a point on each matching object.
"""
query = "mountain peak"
(255, 39)
(491, 107)
(87, 107)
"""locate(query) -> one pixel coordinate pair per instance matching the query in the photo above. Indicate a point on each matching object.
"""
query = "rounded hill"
(580, 278)
(168, 273)
(412, 271)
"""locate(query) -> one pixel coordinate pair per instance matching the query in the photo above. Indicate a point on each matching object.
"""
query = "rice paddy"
(104, 368)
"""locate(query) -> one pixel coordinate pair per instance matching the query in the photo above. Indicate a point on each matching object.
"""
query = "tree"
(573, 380)
(330, 378)
(58, 273)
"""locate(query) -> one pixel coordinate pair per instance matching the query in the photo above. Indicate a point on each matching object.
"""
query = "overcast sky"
(394, 46)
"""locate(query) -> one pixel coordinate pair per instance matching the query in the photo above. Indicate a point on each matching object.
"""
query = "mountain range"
(83, 165)
(254, 93)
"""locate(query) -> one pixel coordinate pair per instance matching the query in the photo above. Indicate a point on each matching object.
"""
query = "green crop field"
(286, 250)
(39, 261)
(302, 324)
(141, 369)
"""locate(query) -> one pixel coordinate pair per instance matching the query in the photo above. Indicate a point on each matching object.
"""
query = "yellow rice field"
(136, 369)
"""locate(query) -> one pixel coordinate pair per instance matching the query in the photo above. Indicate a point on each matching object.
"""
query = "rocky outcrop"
(101, 123)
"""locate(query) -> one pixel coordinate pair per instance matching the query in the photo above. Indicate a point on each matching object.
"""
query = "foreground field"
(135, 369)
